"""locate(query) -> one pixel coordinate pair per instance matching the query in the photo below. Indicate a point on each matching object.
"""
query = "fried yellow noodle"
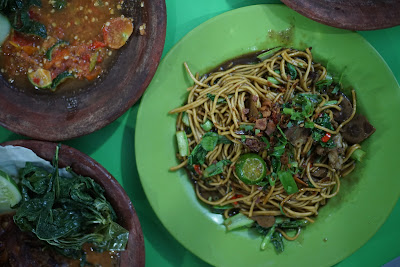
(228, 110)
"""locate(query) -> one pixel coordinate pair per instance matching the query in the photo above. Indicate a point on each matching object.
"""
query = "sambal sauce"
(82, 38)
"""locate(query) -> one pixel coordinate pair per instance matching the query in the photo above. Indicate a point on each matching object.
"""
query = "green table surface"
(113, 147)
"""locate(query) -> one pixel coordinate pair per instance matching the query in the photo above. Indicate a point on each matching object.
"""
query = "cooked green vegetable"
(288, 224)
(332, 102)
(358, 155)
(267, 239)
(268, 53)
(288, 182)
(292, 71)
(273, 80)
(220, 209)
(207, 126)
(318, 134)
(277, 241)
(50, 51)
(60, 79)
(216, 168)
(324, 83)
(185, 119)
(9, 192)
(183, 144)
(197, 156)
(238, 221)
(67, 212)
(220, 100)
(209, 141)
(247, 127)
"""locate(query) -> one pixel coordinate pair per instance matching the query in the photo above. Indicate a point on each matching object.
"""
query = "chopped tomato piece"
(117, 31)
(29, 49)
(97, 44)
(21, 39)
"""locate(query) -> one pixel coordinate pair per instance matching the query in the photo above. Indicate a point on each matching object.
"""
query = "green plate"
(366, 197)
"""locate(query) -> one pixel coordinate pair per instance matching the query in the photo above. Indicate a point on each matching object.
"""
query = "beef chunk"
(261, 124)
(264, 220)
(345, 113)
(357, 130)
(255, 144)
(297, 135)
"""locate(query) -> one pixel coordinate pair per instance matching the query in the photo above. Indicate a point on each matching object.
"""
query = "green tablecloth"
(113, 147)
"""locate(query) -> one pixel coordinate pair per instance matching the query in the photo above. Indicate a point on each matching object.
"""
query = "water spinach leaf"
(67, 212)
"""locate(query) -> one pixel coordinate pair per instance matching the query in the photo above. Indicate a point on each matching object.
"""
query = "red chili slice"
(326, 137)
(235, 197)
(197, 169)
(117, 31)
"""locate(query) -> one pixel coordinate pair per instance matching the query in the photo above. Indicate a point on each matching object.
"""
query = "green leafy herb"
(247, 127)
(332, 102)
(289, 224)
(265, 140)
(209, 141)
(207, 126)
(67, 212)
(288, 182)
(220, 209)
(282, 133)
(276, 164)
(277, 241)
(324, 83)
(272, 178)
(292, 71)
(197, 156)
(273, 80)
(220, 100)
(303, 106)
(309, 124)
(222, 139)
(216, 168)
(336, 89)
(269, 53)
(17, 12)
(317, 134)
(279, 148)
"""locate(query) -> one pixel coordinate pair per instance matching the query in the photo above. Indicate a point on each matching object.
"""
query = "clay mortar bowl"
(134, 255)
(63, 115)
(356, 15)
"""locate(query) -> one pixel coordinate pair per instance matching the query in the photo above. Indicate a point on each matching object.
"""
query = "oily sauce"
(19, 248)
